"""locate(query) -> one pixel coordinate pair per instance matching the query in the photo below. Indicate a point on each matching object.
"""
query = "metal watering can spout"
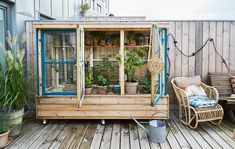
(141, 126)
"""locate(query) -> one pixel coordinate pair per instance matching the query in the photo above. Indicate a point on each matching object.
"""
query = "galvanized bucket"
(157, 129)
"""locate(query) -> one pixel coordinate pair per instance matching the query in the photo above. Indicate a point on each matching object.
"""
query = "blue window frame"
(59, 60)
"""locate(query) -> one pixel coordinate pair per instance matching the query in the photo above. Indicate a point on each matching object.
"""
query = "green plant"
(133, 59)
(146, 82)
(131, 36)
(4, 123)
(103, 72)
(12, 79)
(84, 7)
(88, 75)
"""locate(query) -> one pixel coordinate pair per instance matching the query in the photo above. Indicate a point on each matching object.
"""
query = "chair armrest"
(181, 95)
(211, 92)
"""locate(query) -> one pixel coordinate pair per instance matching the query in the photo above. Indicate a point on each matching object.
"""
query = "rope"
(200, 49)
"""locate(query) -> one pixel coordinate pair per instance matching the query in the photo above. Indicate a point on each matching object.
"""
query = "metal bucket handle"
(166, 123)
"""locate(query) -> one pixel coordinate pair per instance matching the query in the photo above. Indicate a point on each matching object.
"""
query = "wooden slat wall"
(190, 36)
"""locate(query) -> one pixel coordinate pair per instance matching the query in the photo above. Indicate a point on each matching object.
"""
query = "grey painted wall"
(22, 10)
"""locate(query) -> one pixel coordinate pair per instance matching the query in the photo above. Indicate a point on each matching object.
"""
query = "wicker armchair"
(191, 116)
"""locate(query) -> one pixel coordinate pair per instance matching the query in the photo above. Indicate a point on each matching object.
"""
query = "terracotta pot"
(87, 42)
(131, 42)
(88, 91)
(4, 139)
(102, 43)
(131, 87)
(102, 89)
(95, 42)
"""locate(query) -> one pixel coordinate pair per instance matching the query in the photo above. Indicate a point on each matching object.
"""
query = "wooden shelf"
(137, 46)
(102, 46)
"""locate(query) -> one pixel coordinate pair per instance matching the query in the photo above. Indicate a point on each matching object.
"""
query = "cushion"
(233, 83)
(183, 82)
(201, 101)
(194, 90)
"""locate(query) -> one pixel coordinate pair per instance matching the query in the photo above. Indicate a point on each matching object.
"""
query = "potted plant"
(84, 8)
(95, 38)
(88, 79)
(4, 131)
(13, 90)
(102, 39)
(103, 74)
(131, 39)
(140, 39)
(133, 59)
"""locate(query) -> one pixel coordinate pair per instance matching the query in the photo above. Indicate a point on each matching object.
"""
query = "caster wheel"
(103, 122)
(44, 122)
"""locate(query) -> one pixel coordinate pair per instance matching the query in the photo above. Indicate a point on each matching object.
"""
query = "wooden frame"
(98, 106)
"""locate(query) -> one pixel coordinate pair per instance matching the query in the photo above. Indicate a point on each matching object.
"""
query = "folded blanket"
(201, 101)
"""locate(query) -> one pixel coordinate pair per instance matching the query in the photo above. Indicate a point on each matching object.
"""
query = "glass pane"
(60, 47)
(2, 27)
(61, 78)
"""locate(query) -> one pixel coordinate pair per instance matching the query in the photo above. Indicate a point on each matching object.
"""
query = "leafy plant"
(146, 84)
(4, 123)
(104, 72)
(131, 36)
(84, 7)
(88, 75)
(12, 79)
(133, 59)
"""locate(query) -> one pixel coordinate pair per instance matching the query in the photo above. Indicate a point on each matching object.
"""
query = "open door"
(159, 53)
(80, 66)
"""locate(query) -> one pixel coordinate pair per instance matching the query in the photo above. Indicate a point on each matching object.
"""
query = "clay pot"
(102, 43)
(87, 42)
(88, 91)
(131, 42)
(102, 89)
(95, 42)
(131, 87)
(4, 139)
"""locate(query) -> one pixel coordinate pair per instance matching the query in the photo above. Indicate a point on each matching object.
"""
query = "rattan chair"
(191, 116)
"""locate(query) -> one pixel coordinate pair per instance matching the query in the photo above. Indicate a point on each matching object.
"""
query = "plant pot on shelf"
(102, 89)
(88, 91)
(102, 43)
(4, 139)
(131, 42)
(131, 87)
(95, 42)
(116, 89)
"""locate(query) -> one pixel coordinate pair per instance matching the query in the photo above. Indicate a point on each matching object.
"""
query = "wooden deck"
(117, 134)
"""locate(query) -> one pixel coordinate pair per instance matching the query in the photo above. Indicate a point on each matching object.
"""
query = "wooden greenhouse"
(69, 56)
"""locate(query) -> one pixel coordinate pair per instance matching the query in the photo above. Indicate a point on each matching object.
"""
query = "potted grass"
(88, 79)
(133, 59)
(103, 74)
(13, 93)
(84, 8)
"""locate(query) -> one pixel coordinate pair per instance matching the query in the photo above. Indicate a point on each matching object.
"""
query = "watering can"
(157, 129)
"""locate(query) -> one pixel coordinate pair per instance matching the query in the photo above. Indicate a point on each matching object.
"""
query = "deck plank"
(223, 135)
(191, 140)
(86, 143)
(74, 129)
(79, 137)
(97, 137)
(125, 134)
(215, 136)
(144, 142)
(134, 136)
(106, 140)
(60, 138)
(43, 137)
(52, 137)
(116, 136)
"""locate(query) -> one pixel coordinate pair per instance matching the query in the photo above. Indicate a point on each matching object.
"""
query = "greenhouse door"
(80, 66)
(159, 57)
